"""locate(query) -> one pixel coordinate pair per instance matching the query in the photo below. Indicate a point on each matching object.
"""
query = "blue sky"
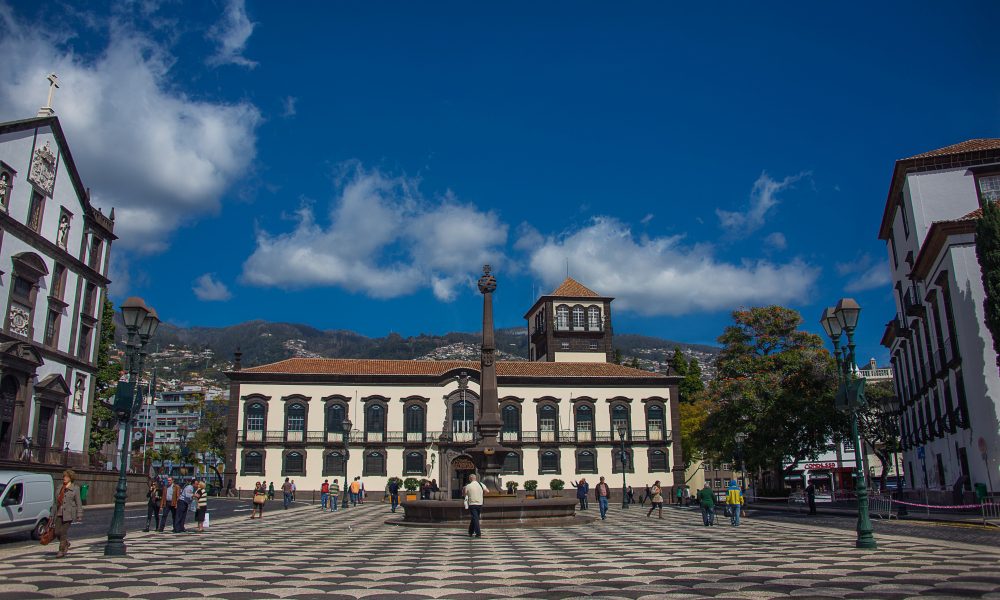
(352, 165)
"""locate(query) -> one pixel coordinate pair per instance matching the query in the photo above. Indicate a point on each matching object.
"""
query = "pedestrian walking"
(355, 490)
(811, 497)
(201, 506)
(67, 510)
(259, 499)
(629, 494)
(286, 492)
(393, 490)
(270, 491)
(645, 496)
(603, 493)
(706, 499)
(734, 502)
(474, 502)
(582, 489)
(361, 491)
(324, 494)
(293, 490)
(168, 504)
(679, 493)
(425, 490)
(655, 499)
(334, 493)
(153, 503)
(183, 505)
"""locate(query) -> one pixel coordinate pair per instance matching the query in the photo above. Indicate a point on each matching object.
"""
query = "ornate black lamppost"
(142, 321)
(850, 399)
(741, 439)
(346, 425)
(624, 460)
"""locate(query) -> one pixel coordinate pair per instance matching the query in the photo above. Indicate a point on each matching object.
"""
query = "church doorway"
(461, 468)
(8, 395)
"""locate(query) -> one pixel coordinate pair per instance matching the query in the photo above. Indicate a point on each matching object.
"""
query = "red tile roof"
(353, 366)
(571, 288)
(962, 147)
(972, 216)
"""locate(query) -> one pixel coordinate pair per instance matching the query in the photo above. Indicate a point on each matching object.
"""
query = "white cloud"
(231, 35)
(383, 239)
(866, 273)
(159, 157)
(288, 106)
(659, 276)
(209, 289)
(776, 240)
(645, 220)
(763, 197)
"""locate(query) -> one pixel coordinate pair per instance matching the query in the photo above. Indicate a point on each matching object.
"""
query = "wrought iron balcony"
(911, 305)
(457, 437)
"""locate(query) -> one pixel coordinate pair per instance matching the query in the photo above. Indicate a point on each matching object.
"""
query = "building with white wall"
(54, 251)
(415, 418)
(942, 355)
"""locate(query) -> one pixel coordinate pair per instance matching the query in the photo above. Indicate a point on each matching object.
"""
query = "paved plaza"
(305, 553)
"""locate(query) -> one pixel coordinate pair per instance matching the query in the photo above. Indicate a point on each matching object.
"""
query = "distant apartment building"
(54, 252)
(942, 355)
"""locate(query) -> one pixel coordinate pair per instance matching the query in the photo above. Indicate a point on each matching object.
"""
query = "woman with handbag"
(67, 510)
(153, 503)
(656, 499)
(259, 498)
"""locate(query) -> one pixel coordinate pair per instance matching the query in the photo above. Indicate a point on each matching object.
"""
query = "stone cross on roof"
(47, 110)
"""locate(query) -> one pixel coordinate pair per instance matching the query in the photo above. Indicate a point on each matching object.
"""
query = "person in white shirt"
(474, 497)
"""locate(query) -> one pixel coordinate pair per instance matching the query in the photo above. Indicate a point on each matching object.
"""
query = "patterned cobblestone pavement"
(306, 553)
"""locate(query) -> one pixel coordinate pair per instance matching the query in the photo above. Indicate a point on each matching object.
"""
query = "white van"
(25, 502)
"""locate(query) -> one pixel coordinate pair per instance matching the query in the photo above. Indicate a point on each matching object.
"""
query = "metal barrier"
(881, 507)
(991, 510)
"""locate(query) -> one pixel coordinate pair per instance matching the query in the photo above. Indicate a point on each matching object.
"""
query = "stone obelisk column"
(488, 454)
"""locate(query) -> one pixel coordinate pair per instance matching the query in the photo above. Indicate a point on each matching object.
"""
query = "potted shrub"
(512, 488)
(411, 484)
(530, 486)
(557, 485)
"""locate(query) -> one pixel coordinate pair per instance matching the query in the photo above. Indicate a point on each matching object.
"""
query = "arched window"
(594, 318)
(511, 417)
(463, 418)
(414, 424)
(512, 464)
(333, 464)
(334, 421)
(654, 422)
(254, 428)
(374, 464)
(375, 422)
(295, 464)
(578, 319)
(562, 317)
(414, 463)
(584, 423)
(295, 422)
(547, 423)
(586, 461)
(658, 461)
(253, 463)
(548, 462)
(620, 418)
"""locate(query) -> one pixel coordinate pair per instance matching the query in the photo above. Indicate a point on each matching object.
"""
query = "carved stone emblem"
(43, 168)
(487, 358)
(19, 320)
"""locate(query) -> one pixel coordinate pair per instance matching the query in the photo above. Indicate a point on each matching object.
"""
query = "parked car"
(25, 502)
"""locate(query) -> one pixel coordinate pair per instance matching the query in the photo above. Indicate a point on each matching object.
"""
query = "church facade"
(317, 419)
(54, 251)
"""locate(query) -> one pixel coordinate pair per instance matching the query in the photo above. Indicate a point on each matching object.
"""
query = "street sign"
(920, 453)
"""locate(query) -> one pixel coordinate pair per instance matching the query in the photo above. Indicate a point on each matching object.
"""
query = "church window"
(255, 422)
(35, 208)
(586, 462)
(84, 349)
(414, 424)
(511, 417)
(463, 417)
(547, 417)
(584, 423)
(335, 419)
(253, 463)
(295, 464)
(658, 461)
(620, 418)
(593, 318)
(654, 422)
(96, 245)
(295, 423)
(375, 422)
(52, 327)
(58, 281)
(512, 464)
(374, 464)
(414, 464)
(548, 462)
(578, 316)
(562, 317)
(989, 189)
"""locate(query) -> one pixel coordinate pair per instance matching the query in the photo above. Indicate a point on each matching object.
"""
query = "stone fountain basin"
(497, 511)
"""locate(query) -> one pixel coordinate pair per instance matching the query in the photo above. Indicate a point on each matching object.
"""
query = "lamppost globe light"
(847, 313)
(741, 437)
(621, 431)
(134, 311)
(148, 326)
(830, 323)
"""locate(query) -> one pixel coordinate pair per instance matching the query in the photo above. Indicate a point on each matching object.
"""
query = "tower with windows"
(572, 324)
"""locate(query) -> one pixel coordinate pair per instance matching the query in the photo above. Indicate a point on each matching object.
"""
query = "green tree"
(988, 253)
(879, 427)
(692, 418)
(103, 427)
(210, 438)
(617, 357)
(678, 363)
(634, 363)
(692, 384)
(776, 384)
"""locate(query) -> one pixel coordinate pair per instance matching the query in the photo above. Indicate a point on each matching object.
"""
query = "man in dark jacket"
(393, 490)
(811, 497)
(582, 489)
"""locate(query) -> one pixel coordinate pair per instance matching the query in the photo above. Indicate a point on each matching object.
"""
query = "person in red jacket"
(324, 493)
